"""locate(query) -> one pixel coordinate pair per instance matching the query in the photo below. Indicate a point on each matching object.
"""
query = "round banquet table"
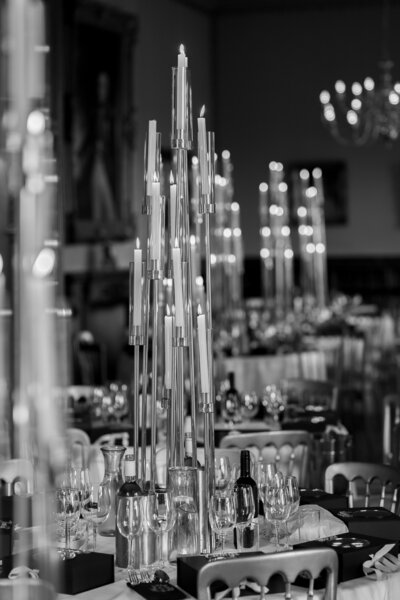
(355, 589)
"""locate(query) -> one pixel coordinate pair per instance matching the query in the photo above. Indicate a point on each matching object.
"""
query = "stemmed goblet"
(293, 493)
(96, 506)
(223, 473)
(160, 516)
(222, 516)
(277, 508)
(67, 512)
(129, 522)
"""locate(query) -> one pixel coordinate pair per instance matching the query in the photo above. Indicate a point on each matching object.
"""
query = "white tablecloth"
(355, 589)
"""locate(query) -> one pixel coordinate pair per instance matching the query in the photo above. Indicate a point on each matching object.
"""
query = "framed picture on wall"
(98, 119)
(334, 177)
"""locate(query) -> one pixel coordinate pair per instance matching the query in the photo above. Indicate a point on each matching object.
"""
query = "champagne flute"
(293, 493)
(129, 521)
(67, 511)
(245, 510)
(80, 480)
(223, 473)
(222, 516)
(160, 516)
(96, 507)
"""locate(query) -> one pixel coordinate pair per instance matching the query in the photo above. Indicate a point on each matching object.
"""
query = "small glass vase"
(185, 534)
(113, 480)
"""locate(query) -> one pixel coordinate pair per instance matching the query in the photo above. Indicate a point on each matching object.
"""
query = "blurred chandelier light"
(367, 112)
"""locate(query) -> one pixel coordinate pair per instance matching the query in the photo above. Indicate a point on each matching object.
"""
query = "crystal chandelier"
(366, 112)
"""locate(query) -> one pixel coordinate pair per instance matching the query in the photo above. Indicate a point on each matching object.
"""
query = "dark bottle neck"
(245, 463)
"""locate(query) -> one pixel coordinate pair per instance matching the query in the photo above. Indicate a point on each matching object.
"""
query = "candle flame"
(168, 311)
(203, 111)
(263, 187)
(195, 160)
(173, 310)
(199, 281)
(176, 243)
(171, 178)
(137, 243)
(199, 311)
(192, 240)
(182, 49)
(226, 155)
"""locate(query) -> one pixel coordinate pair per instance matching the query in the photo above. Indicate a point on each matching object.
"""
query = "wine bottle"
(188, 460)
(251, 532)
(130, 487)
(231, 402)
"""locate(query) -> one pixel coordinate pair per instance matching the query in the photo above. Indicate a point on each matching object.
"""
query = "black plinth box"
(371, 521)
(352, 550)
(79, 574)
(331, 502)
(189, 566)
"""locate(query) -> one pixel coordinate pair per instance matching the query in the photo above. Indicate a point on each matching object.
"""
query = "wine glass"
(160, 516)
(96, 507)
(293, 493)
(67, 512)
(273, 401)
(129, 521)
(223, 473)
(80, 480)
(250, 404)
(277, 508)
(222, 516)
(245, 510)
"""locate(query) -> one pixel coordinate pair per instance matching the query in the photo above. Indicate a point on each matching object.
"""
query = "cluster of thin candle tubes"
(167, 309)
(277, 235)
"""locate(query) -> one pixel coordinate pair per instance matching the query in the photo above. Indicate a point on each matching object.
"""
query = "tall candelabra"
(177, 308)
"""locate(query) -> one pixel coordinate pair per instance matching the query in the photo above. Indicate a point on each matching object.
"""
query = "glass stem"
(222, 542)
(276, 535)
(94, 536)
(67, 535)
(130, 552)
(159, 548)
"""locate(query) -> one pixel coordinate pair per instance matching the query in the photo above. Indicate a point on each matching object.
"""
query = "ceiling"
(246, 6)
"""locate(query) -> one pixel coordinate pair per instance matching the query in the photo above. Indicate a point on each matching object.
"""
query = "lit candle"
(172, 203)
(155, 246)
(178, 287)
(168, 350)
(151, 155)
(181, 89)
(137, 285)
(203, 355)
(202, 149)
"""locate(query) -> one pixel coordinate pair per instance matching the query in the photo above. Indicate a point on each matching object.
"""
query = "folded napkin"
(382, 563)
(306, 526)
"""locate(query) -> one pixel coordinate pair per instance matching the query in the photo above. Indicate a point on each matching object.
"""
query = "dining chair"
(78, 444)
(310, 392)
(16, 476)
(117, 438)
(289, 450)
(259, 569)
(391, 418)
(378, 484)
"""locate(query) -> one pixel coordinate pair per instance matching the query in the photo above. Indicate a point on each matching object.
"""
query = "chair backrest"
(391, 418)
(385, 477)
(290, 450)
(311, 392)
(16, 475)
(118, 438)
(78, 444)
(233, 571)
